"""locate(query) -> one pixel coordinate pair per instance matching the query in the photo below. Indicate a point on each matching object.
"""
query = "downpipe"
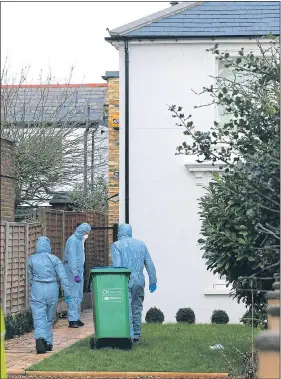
(127, 139)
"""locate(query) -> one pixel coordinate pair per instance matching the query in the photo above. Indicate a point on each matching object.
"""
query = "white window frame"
(220, 282)
(219, 287)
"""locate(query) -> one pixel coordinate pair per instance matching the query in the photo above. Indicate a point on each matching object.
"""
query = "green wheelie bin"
(110, 307)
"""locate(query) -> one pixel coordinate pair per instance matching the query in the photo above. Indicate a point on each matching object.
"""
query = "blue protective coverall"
(44, 269)
(133, 254)
(74, 266)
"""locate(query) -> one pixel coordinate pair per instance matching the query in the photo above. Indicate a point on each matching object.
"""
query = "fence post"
(62, 245)
(26, 298)
(62, 234)
(6, 262)
(34, 215)
(42, 219)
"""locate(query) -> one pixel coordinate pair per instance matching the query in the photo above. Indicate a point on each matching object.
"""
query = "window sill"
(212, 291)
(206, 166)
(202, 171)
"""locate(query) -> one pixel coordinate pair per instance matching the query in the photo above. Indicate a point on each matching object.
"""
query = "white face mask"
(85, 237)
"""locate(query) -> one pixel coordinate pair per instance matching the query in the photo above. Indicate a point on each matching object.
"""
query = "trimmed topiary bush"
(154, 316)
(219, 317)
(185, 315)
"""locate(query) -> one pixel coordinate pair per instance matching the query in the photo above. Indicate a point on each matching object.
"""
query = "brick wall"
(7, 179)
(113, 148)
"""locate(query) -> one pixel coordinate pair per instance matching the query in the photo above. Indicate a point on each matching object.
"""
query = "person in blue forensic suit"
(44, 269)
(74, 259)
(133, 254)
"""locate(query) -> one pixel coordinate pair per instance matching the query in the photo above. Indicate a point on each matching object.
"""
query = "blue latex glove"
(77, 279)
(152, 287)
(67, 299)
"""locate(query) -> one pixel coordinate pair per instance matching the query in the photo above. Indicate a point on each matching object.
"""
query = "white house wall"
(163, 192)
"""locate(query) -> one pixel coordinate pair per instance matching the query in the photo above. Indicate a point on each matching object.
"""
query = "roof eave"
(120, 38)
(152, 18)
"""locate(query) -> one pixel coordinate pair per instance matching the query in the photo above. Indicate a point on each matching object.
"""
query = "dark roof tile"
(224, 18)
(60, 104)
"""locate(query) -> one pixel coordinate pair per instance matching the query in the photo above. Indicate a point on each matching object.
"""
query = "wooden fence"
(18, 242)
(58, 225)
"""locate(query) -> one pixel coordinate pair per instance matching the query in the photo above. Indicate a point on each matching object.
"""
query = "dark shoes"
(49, 347)
(41, 346)
(75, 324)
(135, 340)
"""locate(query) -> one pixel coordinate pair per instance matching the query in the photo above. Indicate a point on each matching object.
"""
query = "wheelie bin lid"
(110, 270)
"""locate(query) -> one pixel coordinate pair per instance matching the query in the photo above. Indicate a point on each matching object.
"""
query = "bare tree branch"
(45, 121)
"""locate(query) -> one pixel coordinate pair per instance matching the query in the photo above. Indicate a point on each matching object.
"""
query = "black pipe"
(115, 232)
(127, 140)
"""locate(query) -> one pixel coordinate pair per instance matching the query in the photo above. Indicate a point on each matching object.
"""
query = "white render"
(164, 188)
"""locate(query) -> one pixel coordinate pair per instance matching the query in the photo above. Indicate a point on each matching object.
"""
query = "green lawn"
(172, 347)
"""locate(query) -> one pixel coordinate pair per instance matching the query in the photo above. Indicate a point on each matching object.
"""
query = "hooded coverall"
(133, 254)
(74, 259)
(44, 269)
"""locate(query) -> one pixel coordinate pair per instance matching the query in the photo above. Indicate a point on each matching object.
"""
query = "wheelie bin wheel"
(130, 344)
(92, 343)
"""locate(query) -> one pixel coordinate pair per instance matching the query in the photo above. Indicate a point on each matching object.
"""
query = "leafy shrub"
(22, 323)
(259, 318)
(185, 315)
(154, 316)
(10, 327)
(18, 324)
(219, 317)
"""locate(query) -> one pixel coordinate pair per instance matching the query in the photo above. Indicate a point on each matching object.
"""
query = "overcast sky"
(62, 34)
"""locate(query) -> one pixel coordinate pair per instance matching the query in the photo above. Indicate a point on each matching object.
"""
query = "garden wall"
(7, 179)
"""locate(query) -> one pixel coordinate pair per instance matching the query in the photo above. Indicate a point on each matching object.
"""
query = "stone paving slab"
(21, 352)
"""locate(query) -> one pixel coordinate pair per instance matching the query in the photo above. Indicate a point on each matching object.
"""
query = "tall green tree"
(240, 211)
